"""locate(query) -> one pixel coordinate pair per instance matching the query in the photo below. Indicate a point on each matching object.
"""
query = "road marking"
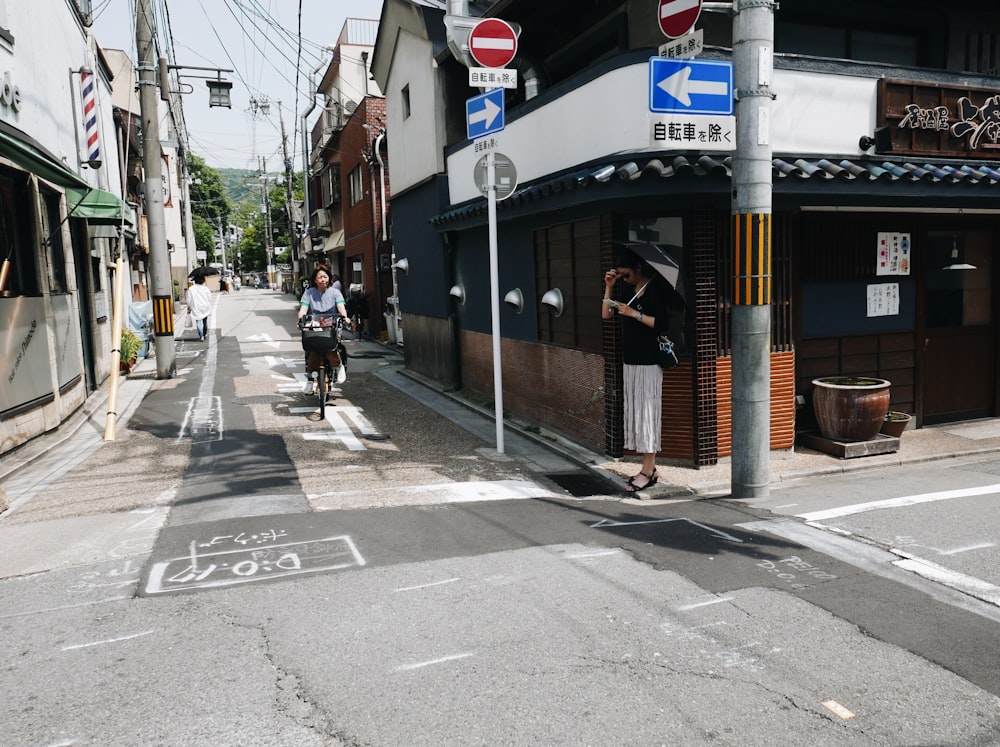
(970, 548)
(586, 555)
(62, 607)
(109, 640)
(689, 607)
(427, 586)
(843, 711)
(970, 585)
(264, 338)
(422, 664)
(908, 500)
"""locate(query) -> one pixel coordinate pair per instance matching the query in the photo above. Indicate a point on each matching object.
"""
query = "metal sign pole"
(491, 201)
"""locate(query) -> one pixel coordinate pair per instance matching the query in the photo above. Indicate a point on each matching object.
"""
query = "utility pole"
(292, 230)
(268, 238)
(161, 286)
(753, 53)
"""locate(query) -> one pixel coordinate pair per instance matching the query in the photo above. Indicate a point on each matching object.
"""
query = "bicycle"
(321, 342)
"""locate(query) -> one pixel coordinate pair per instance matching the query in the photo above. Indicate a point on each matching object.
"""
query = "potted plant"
(128, 349)
(895, 423)
(850, 408)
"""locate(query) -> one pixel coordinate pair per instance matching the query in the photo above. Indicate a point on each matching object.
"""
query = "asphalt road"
(233, 570)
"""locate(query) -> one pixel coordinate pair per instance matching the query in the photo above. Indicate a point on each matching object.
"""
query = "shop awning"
(96, 206)
(83, 201)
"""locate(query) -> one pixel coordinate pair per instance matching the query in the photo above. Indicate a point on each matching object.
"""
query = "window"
(52, 236)
(819, 40)
(405, 94)
(355, 186)
(330, 184)
(568, 257)
(15, 235)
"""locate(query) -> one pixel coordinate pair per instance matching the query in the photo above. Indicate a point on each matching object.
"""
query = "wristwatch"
(640, 317)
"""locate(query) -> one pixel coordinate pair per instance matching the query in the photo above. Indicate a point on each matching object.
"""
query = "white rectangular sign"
(690, 45)
(492, 77)
(680, 131)
(893, 254)
(883, 299)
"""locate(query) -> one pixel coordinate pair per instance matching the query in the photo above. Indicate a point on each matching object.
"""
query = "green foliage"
(130, 345)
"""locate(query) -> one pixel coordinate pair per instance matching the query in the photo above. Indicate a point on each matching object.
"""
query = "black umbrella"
(656, 257)
(202, 272)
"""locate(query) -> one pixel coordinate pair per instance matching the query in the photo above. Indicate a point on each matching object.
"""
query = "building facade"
(885, 198)
(60, 216)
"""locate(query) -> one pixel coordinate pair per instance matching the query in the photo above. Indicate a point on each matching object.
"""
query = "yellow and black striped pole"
(752, 259)
(163, 316)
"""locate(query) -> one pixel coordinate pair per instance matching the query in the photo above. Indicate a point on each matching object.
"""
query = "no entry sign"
(493, 43)
(677, 17)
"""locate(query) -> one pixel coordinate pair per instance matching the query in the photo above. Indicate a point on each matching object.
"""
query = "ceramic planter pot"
(850, 408)
(895, 423)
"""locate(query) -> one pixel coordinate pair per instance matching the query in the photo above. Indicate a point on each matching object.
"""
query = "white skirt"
(643, 408)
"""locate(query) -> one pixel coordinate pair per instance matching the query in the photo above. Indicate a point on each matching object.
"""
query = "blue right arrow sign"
(690, 86)
(485, 113)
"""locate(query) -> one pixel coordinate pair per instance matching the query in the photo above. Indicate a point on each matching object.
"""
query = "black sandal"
(631, 487)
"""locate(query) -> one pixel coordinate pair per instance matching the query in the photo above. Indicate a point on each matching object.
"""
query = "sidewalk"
(83, 432)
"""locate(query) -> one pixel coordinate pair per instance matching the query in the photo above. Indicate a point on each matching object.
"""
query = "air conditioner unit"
(321, 218)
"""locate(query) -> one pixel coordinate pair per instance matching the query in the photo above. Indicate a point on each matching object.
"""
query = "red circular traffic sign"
(677, 17)
(493, 43)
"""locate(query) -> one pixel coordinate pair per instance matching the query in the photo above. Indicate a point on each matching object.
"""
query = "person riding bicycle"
(321, 299)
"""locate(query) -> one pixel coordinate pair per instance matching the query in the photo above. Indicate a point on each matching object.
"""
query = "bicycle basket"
(320, 339)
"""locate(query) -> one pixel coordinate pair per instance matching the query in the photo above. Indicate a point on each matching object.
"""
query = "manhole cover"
(258, 399)
(582, 484)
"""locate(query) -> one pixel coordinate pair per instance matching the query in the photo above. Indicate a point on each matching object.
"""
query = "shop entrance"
(958, 349)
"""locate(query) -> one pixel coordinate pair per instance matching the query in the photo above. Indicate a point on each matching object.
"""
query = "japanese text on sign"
(705, 132)
(883, 299)
(492, 77)
(893, 254)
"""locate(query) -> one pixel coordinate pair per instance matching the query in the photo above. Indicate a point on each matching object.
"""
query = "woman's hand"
(610, 277)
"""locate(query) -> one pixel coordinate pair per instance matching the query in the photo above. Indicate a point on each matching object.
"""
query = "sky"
(258, 40)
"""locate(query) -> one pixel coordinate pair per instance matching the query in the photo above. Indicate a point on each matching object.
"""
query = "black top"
(639, 347)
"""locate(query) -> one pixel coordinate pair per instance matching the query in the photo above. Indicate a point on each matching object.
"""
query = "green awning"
(96, 205)
(83, 201)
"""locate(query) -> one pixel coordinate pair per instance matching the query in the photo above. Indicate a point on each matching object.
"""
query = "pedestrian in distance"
(199, 303)
(643, 318)
(335, 283)
(320, 298)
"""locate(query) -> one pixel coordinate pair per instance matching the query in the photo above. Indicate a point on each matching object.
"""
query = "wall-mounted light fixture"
(515, 299)
(218, 87)
(403, 265)
(458, 293)
(554, 300)
(955, 264)
(881, 141)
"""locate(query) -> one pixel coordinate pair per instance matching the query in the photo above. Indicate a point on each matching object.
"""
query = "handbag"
(667, 355)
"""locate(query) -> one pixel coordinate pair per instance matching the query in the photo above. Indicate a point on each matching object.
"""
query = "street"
(231, 570)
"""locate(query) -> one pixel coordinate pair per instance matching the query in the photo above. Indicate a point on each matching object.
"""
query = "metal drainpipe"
(381, 168)
(313, 90)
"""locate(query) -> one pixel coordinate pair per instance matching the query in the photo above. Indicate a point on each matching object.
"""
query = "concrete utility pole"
(753, 53)
(268, 238)
(292, 230)
(161, 286)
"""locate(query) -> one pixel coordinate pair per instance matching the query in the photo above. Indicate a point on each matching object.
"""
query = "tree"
(210, 208)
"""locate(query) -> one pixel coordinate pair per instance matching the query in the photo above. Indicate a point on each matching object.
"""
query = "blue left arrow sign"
(690, 86)
(485, 113)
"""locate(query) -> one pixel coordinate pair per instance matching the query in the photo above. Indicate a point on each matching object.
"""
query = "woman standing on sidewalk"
(643, 318)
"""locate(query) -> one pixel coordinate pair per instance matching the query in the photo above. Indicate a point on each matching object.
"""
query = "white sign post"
(491, 203)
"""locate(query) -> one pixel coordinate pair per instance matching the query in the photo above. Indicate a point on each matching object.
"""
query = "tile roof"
(861, 171)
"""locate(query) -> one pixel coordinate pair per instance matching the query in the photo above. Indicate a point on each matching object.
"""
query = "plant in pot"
(128, 349)
(850, 408)
(895, 423)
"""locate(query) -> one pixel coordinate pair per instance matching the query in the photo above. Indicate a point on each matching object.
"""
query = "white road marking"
(970, 585)
(422, 664)
(600, 554)
(688, 607)
(427, 586)
(908, 500)
(970, 548)
(62, 607)
(109, 640)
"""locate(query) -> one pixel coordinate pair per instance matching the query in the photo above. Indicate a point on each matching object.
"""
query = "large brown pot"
(850, 408)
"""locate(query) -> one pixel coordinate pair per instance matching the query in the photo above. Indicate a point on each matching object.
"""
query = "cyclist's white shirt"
(324, 303)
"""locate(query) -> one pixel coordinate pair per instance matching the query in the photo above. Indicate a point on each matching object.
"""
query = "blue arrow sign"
(485, 113)
(690, 86)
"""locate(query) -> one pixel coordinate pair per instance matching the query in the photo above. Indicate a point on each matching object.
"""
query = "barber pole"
(90, 115)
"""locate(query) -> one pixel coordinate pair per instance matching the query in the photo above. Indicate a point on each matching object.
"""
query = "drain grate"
(582, 484)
